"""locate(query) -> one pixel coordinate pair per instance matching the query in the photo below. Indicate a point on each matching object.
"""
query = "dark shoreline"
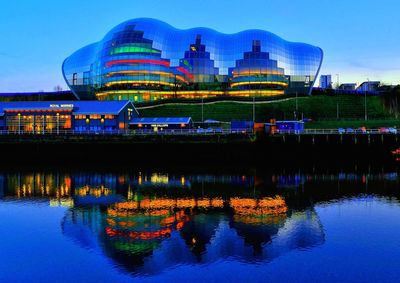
(201, 151)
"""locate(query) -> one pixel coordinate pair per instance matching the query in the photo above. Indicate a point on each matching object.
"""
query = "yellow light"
(255, 92)
(193, 94)
(252, 73)
(259, 83)
(139, 82)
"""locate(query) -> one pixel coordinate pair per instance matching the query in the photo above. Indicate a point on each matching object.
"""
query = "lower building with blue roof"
(63, 116)
(161, 123)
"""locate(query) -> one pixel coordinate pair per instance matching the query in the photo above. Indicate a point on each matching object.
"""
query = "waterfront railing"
(200, 132)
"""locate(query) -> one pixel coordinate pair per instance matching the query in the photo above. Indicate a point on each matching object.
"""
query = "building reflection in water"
(149, 222)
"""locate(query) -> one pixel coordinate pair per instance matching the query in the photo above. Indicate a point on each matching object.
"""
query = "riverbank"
(216, 149)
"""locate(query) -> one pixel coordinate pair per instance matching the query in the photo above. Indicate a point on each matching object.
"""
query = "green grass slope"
(322, 109)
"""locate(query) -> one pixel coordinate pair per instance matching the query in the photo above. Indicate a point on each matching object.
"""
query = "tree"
(58, 88)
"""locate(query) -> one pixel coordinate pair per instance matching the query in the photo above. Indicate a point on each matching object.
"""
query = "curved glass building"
(147, 60)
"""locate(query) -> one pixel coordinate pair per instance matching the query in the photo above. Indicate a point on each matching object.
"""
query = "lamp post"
(19, 123)
(87, 124)
(337, 81)
(58, 123)
(43, 124)
(365, 102)
(254, 109)
(337, 97)
(202, 109)
(175, 87)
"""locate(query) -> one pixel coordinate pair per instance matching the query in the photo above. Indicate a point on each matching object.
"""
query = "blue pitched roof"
(79, 107)
(38, 93)
(161, 120)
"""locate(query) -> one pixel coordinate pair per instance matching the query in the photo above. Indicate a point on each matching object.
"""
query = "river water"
(196, 225)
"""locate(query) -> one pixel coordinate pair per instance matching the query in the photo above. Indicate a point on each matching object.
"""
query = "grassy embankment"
(321, 109)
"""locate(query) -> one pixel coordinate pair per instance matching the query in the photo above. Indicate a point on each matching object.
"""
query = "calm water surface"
(154, 226)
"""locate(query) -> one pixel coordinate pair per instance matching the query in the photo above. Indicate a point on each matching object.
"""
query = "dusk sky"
(360, 39)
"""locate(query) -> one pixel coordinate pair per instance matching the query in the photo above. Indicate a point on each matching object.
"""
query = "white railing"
(149, 132)
(337, 132)
(198, 132)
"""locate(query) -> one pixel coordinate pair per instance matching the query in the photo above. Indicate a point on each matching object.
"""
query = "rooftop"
(161, 120)
(78, 107)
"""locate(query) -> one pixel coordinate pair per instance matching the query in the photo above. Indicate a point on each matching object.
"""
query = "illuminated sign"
(160, 125)
(61, 106)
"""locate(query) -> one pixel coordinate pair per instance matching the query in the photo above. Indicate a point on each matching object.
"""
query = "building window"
(130, 113)
(86, 76)
(75, 79)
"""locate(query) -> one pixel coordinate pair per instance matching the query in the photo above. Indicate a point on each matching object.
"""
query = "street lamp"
(337, 97)
(337, 81)
(19, 123)
(365, 101)
(202, 109)
(58, 123)
(297, 108)
(254, 108)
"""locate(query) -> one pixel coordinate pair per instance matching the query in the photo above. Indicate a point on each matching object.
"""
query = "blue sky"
(360, 39)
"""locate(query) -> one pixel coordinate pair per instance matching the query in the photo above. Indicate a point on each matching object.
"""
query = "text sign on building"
(61, 106)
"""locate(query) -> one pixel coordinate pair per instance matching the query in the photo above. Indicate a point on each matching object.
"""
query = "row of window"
(94, 117)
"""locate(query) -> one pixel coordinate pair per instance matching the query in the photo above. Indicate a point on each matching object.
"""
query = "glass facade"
(146, 60)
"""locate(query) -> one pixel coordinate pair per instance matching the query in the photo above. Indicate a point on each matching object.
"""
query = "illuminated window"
(130, 113)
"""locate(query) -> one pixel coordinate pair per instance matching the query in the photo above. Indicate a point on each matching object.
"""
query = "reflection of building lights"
(265, 206)
(144, 235)
(159, 179)
(217, 202)
(64, 202)
(163, 204)
(186, 203)
(264, 219)
(93, 191)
